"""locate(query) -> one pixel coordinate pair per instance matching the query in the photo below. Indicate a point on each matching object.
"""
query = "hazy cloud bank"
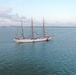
(7, 18)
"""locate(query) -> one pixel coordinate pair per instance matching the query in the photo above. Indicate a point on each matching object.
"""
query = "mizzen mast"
(43, 28)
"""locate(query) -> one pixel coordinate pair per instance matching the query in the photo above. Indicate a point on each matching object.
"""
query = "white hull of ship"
(26, 40)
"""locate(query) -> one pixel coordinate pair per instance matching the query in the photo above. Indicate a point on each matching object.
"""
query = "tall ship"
(23, 39)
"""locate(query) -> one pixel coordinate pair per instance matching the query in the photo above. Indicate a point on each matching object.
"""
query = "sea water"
(55, 57)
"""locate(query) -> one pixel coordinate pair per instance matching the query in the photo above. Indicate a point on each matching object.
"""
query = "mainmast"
(43, 28)
(22, 29)
(32, 28)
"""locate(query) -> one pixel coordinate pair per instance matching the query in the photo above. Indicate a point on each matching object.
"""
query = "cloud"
(7, 18)
(5, 13)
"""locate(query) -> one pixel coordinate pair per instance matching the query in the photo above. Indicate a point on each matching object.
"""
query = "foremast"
(22, 29)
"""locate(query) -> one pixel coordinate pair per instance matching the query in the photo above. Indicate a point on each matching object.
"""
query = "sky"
(55, 12)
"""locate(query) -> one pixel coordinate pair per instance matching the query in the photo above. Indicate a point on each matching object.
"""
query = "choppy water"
(56, 57)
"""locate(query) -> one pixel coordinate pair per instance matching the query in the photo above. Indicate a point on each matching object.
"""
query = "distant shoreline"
(42, 26)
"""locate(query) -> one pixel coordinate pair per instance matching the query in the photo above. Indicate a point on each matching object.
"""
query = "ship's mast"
(22, 29)
(43, 28)
(32, 28)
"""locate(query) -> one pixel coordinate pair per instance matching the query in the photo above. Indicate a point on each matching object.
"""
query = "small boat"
(23, 39)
